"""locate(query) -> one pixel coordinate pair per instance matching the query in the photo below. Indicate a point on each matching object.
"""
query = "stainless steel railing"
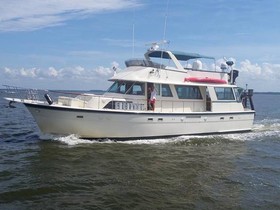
(21, 93)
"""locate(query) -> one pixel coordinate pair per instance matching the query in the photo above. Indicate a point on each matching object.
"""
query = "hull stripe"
(131, 113)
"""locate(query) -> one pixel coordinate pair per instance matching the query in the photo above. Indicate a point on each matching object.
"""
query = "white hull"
(88, 123)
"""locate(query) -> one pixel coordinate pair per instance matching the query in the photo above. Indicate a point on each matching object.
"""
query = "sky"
(74, 44)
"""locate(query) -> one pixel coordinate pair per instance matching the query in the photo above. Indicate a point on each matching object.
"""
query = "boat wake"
(72, 140)
(261, 129)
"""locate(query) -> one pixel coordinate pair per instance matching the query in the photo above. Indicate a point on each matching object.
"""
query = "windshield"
(127, 87)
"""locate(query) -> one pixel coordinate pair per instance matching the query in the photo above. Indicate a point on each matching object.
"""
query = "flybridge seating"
(143, 62)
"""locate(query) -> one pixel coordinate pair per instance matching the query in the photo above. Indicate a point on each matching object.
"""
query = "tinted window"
(224, 93)
(165, 91)
(188, 92)
(137, 89)
(114, 87)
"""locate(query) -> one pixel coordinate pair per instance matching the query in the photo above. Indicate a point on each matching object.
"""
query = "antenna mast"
(165, 23)
(133, 38)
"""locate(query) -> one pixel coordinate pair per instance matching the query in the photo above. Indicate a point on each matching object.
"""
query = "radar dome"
(197, 64)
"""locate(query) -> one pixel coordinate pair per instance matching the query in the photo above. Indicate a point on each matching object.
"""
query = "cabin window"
(188, 92)
(114, 88)
(137, 89)
(224, 93)
(123, 87)
(165, 91)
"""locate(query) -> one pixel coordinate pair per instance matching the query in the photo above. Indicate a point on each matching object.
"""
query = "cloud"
(8, 71)
(31, 73)
(31, 23)
(248, 70)
(261, 77)
(102, 71)
(266, 71)
(28, 15)
(51, 73)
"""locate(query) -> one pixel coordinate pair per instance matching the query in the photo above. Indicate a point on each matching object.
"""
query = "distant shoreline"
(268, 93)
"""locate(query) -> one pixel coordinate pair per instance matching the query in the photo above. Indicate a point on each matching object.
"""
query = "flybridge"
(198, 68)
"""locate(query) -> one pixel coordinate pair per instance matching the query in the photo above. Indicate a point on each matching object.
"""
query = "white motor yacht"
(190, 99)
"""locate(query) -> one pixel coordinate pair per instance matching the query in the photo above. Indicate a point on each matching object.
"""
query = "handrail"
(22, 93)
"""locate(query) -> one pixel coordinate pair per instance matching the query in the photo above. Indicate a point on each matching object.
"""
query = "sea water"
(230, 171)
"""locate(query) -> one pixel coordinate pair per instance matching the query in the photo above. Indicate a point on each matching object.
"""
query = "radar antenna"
(156, 45)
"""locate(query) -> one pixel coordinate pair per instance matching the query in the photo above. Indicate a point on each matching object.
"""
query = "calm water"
(233, 171)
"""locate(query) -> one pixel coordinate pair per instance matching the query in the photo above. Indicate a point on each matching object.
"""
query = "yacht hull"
(89, 123)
